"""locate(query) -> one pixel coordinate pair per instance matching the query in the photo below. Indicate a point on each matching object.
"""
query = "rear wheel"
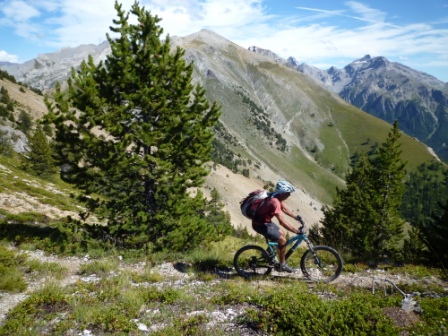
(324, 265)
(252, 260)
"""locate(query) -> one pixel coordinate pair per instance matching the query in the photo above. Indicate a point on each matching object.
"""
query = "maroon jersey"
(268, 209)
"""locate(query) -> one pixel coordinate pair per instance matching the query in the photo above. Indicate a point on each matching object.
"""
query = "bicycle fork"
(316, 258)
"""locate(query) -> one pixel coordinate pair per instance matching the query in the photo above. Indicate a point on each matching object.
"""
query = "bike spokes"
(321, 264)
(251, 261)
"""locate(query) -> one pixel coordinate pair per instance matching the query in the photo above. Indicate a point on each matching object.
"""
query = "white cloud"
(185, 17)
(368, 14)
(5, 57)
(19, 11)
(312, 35)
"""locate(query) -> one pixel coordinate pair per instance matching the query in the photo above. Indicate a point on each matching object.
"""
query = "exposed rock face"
(392, 91)
(18, 139)
(268, 53)
(44, 71)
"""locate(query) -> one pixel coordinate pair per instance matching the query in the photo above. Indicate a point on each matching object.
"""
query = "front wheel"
(321, 265)
(252, 260)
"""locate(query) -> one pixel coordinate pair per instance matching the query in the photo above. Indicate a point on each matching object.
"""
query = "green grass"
(11, 277)
(123, 296)
(99, 267)
(45, 269)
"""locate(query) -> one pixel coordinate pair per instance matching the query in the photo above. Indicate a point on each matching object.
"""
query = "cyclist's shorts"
(270, 230)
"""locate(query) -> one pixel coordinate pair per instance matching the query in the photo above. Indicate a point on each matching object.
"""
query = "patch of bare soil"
(401, 317)
(28, 100)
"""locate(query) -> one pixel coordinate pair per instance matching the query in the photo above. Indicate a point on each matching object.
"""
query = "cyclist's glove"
(300, 220)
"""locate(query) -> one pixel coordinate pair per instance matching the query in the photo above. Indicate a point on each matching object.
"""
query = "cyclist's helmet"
(283, 187)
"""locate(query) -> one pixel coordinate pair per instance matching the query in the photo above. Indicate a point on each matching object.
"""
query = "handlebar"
(300, 220)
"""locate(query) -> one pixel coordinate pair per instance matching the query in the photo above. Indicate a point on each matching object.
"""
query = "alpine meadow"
(122, 170)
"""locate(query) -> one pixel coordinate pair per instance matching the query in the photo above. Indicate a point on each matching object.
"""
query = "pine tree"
(435, 231)
(425, 190)
(388, 183)
(25, 122)
(39, 159)
(364, 219)
(346, 224)
(217, 217)
(136, 131)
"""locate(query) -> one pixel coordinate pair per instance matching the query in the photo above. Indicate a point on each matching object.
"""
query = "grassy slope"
(322, 129)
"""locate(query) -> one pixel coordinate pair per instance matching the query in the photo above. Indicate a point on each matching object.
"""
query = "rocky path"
(173, 275)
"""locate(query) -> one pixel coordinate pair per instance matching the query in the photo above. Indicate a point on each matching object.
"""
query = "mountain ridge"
(390, 91)
(276, 122)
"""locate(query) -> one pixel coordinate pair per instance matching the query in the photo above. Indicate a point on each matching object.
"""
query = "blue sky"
(321, 33)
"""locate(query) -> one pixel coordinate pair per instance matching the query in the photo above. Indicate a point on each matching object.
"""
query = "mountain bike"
(318, 263)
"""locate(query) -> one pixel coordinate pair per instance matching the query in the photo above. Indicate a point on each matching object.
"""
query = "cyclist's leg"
(282, 248)
(274, 233)
(269, 230)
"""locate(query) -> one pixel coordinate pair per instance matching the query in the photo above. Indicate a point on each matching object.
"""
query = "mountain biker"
(273, 206)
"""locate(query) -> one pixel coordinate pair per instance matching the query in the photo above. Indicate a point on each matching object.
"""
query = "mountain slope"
(392, 91)
(277, 122)
(263, 100)
(46, 69)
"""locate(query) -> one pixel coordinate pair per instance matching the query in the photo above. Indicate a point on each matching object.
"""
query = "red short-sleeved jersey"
(267, 210)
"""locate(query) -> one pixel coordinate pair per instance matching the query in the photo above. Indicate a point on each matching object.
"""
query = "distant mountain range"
(387, 90)
(277, 122)
(45, 70)
(390, 91)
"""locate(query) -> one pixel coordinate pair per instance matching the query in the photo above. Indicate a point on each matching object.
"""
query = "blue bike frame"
(298, 240)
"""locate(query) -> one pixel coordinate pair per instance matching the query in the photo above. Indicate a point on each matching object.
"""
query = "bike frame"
(298, 239)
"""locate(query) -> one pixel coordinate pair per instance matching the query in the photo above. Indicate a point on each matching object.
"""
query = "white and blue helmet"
(283, 187)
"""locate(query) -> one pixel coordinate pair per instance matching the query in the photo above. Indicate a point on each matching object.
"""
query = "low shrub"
(11, 278)
(295, 312)
(34, 314)
(99, 267)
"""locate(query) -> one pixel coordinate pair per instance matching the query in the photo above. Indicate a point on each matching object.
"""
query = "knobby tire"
(326, 268)
(252, 260)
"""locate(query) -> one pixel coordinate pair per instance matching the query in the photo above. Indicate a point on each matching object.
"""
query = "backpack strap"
(259, 206)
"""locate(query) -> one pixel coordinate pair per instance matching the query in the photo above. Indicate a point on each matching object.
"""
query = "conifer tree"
(136, 131)
(435, 231)
(388, 183)
(364, 219)
(39, 159)
(25, 122)
(217, 217)
(6, 146)
(351, 214)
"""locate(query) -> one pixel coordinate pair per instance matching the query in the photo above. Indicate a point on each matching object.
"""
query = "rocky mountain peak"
(267, 53)
(293, 62)
(366, 58)
(380, 61)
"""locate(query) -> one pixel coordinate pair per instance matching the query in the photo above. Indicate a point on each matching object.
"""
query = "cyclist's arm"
(284, 223)
(287, 211)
